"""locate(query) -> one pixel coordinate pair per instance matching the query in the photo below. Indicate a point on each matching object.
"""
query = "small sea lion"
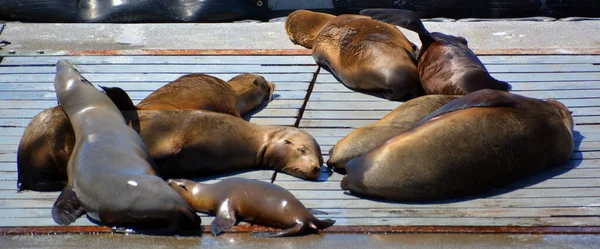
(446, 64)
(472, 144)
(252, 201)
(362, 53)
(241, 94)
(111, 176)
(401, 119)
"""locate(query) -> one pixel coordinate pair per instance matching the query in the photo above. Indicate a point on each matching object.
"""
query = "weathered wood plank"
(377, 104)
(516, 86)
(137, 95)
(265, 113)
(157, 69)
(159, 60)
(334, 122)
(43, 104)
(133, 86)
(262, 121)
(529, 77)
(538, 59)
(98, 78)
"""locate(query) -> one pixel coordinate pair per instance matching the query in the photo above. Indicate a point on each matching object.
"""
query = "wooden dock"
(565, 196)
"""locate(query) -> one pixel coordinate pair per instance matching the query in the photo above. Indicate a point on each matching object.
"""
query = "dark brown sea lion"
(446, 64)
(111, 176)
(252, 201)
(474, 143)
(362, 53)
(182, 142)
(204, 92)
(303, 26)
(369, 137)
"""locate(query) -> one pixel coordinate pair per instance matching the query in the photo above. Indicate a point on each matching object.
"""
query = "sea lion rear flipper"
(281, 233)
(404, 18)
(223, 221)
(119, 97)
(67, 208)
(481, 98)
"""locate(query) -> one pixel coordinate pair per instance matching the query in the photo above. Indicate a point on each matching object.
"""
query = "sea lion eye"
(302, 151)
(287, 141)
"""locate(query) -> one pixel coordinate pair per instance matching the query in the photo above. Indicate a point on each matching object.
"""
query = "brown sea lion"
(111, 176)
(303, 26)
(369, 137)
(182, 142)
(472, 144)
(446, 64)
(362, 53)
(204, 92)
(252, 201)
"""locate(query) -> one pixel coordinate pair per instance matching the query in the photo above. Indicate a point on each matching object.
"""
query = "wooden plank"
(264, 113)
(530, 77)
(334, 213)
(160, 60)
(133, 86)
(538, 59)
(97, 78)
(16, 222)
(261, 121)
(516, 86)
(43, 104)
(137, 95)
(363, 203)
(157, 69)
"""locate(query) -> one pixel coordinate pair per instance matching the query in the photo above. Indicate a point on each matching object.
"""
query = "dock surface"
(564, 196)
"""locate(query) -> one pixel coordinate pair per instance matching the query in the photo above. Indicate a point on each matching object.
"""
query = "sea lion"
(472, 144)
(446, 64)
(252, 201)
(204, 92)
(362, 53)
(369, 137)
(303, 26)
(182, 142)
(111, 176)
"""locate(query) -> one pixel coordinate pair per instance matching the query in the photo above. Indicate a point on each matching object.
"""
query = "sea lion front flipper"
(296, 229)
(67, 208)
(225, 219)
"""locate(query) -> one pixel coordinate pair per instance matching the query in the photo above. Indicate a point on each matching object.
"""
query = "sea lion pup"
(182, 142)
(446, 64)
(369, 137)
(303, 26)
(472, 144)
(111, 176)
(363, 54)
(204, 92)
(252, 201)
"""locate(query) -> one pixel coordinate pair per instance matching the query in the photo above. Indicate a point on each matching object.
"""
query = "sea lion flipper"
(119, 97)
(285, 232)
(404, 18)
(481, 98)
(223, 221)
(67, 207)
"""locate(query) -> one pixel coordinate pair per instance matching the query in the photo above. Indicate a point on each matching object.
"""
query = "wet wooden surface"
(568, 195)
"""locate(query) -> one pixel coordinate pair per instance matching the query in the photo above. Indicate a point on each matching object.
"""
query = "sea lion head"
(185, 188)
(295, 152)
(303, 26)
(564, 113)
(253, 84)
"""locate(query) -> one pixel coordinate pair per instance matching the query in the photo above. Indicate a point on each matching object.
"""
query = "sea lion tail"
(67, 207)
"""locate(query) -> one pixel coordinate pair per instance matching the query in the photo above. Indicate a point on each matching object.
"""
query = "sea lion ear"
(67, 207)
